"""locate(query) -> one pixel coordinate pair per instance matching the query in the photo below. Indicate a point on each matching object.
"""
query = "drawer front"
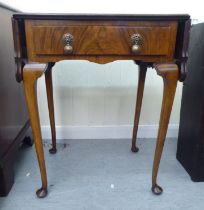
(45, 38)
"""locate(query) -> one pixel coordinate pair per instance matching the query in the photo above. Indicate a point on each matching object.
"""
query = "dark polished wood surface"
(159, 41)
(65, 16)
(8, 152)
(22, 53)
(107, 39)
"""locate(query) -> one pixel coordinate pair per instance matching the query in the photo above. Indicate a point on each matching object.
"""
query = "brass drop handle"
(136, 40)
(68, 40)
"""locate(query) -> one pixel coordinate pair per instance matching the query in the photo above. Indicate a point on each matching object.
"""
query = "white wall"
(194, 8)
(86, 93)
(89, 94)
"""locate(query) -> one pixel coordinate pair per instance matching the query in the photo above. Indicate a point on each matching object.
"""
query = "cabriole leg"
(49, 89)
(169, 73)
(140, 90)
(31, 72)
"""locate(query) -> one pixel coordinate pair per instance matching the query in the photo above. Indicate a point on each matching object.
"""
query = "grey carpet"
(103, 175)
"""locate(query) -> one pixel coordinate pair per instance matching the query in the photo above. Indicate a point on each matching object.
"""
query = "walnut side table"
(159, 41)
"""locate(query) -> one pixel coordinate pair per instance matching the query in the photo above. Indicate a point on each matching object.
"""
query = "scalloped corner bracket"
(182, 64)
(182, 61)
(19, 63)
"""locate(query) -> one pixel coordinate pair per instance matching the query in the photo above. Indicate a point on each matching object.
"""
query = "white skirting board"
(96, 132)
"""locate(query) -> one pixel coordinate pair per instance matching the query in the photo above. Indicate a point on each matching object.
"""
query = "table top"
(80, 16)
